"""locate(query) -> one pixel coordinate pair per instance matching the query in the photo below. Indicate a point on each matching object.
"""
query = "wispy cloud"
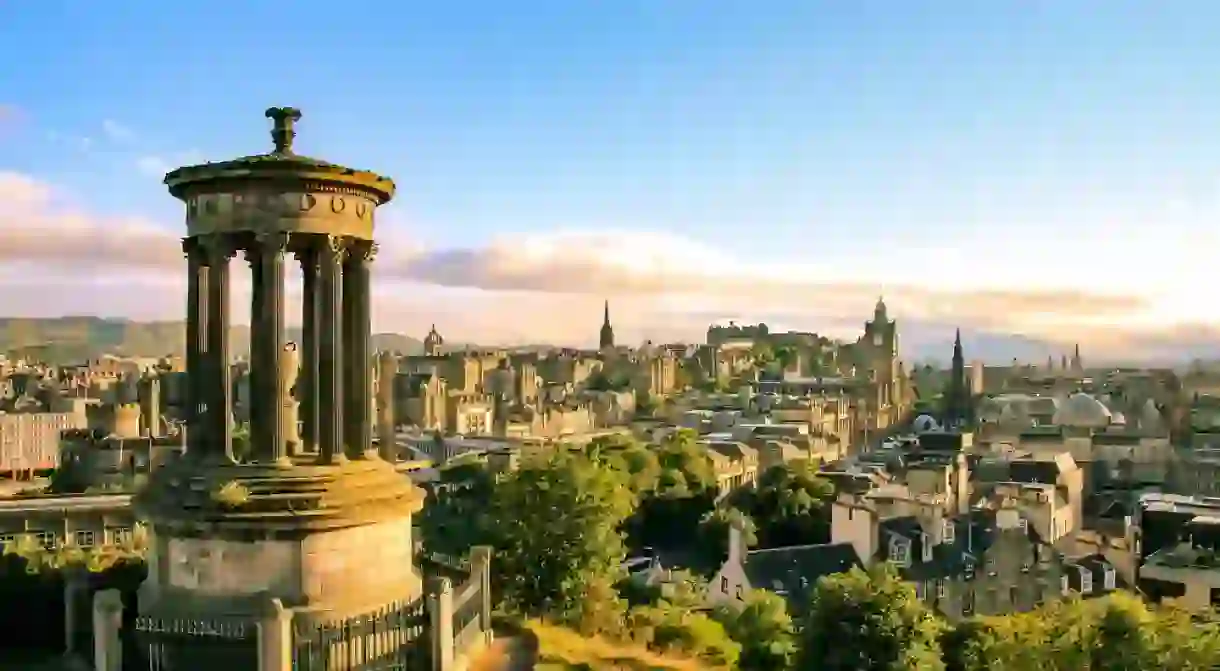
(156, 165)
(549, 286)
(74, 142)
(117, 132)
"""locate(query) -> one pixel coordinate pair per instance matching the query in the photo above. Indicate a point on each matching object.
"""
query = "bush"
(670, 629)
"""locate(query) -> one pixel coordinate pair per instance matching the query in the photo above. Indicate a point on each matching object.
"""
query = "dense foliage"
(562, 524)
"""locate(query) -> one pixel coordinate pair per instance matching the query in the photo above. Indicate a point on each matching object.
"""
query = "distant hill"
(70, 339)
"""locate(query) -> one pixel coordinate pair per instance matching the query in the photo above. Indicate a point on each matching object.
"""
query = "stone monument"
(326, 530)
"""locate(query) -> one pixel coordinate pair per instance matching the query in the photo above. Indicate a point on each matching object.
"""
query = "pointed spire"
(606, 339)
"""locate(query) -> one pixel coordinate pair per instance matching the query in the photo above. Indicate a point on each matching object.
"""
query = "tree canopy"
(764, 629)
(872, 621)
(554, 524)
(788, 505)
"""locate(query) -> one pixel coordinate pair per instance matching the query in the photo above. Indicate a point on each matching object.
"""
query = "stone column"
(196, 346)
(358, 420)
(256, 373)
(308, 255)
(331, 400)
(269, 297)
(220, 396)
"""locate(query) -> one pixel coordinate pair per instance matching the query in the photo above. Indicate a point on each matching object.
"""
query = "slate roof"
(793, 571)
(973, 535)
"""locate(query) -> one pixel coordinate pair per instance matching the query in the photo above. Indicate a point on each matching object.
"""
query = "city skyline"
(1034, 169)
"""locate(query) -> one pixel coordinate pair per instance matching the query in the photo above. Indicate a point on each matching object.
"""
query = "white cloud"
(549, 287)
(157, 166)
(117, 132)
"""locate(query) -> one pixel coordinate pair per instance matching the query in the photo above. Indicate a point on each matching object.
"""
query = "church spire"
(606, 341)
(957, 396)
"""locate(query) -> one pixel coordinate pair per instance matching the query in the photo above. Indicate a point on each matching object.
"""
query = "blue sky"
(842, 138)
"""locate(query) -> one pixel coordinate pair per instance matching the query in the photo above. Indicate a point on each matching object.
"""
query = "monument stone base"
(326, 541)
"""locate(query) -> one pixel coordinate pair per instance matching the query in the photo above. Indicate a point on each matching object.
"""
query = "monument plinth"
(318, 520)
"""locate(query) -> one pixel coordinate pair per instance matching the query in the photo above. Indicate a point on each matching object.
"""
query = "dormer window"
(948, 531)
(1110, 579)
(900, 551)
(1086, 581)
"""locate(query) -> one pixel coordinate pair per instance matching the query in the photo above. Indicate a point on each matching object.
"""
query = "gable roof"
(793, 571)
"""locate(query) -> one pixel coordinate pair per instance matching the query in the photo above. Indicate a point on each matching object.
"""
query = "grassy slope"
(562, 649)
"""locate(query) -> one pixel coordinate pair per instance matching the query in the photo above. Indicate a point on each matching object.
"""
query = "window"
(724, 584)
(741, 594)
(925, 543)
(1109, 584)
(1063, 584)
(1023, 524)
(120, 535)
(940, 589)
(1086, 581)
(899, 551)
(920, 590)
(84, 539)
(45, 538)
(968, 602)
(949, 532)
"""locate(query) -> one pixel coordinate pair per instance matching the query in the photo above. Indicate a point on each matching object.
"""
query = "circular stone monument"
(324, 527)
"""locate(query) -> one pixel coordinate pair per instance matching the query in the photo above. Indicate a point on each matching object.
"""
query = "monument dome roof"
(278, 165)
(1082, 410)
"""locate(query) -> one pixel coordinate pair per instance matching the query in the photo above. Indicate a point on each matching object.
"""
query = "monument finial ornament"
(282, 133)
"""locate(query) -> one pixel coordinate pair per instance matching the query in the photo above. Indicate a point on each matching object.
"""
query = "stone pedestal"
(327, 541)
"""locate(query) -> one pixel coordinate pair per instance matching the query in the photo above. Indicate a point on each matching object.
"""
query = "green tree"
(454, 520)
(674, 629)
(870, 621)
(764, 629)
(789, 504)
(685, 491)
(763, 354)
(624, 453)
(554, 524)
(785, 356)
(714, 535)
(1018, 639)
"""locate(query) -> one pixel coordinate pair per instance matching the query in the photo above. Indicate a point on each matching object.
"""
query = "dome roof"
(1015, 414)
(1150, 416)
(924, 424)
(1082, 411)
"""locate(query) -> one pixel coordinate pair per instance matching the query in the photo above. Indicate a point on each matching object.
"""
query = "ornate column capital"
(272, 243)
(193, 250)
(219, 248)
(334, 250)
(362, 251)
